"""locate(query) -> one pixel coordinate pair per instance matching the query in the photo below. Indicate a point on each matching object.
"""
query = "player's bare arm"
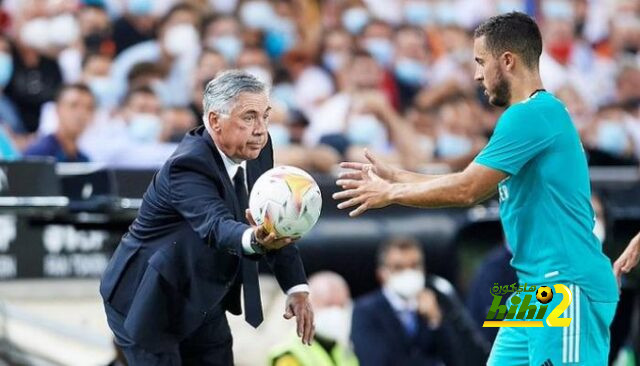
(470, 186)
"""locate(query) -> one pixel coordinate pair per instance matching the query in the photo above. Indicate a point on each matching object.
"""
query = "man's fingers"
(308, 326)
(369, 155)
(351, 165)
(300, 323)
(352, 202)
(348, 183)
(350, 175)
(345, 194)
(360, 210)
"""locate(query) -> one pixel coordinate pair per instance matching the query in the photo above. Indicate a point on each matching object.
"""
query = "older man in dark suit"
(193, 243)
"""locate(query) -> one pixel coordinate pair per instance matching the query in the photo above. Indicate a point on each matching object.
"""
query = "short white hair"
(221, 92)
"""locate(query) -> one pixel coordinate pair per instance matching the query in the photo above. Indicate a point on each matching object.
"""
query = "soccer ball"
(286, 200)
(544, 294)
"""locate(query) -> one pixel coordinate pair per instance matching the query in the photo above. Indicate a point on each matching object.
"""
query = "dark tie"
(250, 284)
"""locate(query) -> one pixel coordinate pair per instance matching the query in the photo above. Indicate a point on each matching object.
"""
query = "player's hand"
(298, 305)
(428, 308)
(269, 240)
(628, 259)
(368, 193)
(358, 171)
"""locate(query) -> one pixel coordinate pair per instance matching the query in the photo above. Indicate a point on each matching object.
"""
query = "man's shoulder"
(369, 300)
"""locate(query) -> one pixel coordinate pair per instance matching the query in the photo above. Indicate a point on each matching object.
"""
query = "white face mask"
(145, 127)
(334, 323)
(63, 30)
(35, 33)
(407, 283)
(182, 40)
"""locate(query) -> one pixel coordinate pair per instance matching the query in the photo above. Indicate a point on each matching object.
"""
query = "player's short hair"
(81, 87)
(514, 32)
(400, 243)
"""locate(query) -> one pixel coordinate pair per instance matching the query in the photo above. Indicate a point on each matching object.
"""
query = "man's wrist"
(255, 244)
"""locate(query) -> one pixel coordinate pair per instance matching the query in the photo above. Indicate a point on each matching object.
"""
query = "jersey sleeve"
(519, 136)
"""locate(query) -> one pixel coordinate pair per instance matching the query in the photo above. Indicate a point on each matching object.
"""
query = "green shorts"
(584, 342)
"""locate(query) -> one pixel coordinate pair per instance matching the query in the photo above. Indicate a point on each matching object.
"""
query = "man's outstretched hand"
(298, 305)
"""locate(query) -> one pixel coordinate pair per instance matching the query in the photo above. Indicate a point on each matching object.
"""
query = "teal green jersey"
(545, 204)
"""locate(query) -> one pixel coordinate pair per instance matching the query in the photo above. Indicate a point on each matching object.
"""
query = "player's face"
(242, 134)
(490, 75)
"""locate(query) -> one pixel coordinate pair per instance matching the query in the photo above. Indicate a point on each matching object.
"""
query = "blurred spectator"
(175, 52)
(222, 33)
(331, 303)
(286, 130)
(75, 106)
(607, 140)
(411, 62)
(176, 121)
(401, 324)
(360, 115)
(96, 68)
(138, 135)
(135, 25)
(36, 76)
(209, 64)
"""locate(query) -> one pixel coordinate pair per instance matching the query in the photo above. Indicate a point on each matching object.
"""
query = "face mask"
(181, 40)
(381, 49)
(63, 30)
(418, 13)
(451, 145)
(6, 69)
(161, 90)
(407, 283)
(224, 6)
(355, 19)
(611, 137)
(366, 130)
(557, 9)
(285, 93)
(257, 15)
(599, 231)
(279, 135)
(229, 46)
(411, 72)
(102, 90)
(35, 34)
(333, 60)
(334, 323)
(145, 127)
(506, 6)
(139, 7)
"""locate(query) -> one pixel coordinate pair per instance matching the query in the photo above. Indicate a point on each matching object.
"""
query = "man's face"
(398, 260)
(489, 73)
(242, 134)
(143, 103)
(75, 111)
(365, 73)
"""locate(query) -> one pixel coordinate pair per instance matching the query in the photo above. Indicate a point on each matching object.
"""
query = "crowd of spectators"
(120, 81)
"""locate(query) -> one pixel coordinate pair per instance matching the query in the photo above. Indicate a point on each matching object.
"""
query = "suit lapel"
(226, 180)
(390, 319)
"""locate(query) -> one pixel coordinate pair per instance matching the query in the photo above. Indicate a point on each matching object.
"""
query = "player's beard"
(502, 92)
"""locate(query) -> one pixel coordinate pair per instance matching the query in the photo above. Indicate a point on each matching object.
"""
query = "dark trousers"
(209, 345)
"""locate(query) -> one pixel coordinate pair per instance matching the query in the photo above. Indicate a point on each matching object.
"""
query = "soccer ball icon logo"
(544, 294)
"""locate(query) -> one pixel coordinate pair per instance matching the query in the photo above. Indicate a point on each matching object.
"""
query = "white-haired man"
(193, 243)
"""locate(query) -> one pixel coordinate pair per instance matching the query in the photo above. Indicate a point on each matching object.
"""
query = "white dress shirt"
(232, 167)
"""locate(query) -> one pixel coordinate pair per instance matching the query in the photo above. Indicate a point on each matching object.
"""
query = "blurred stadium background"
(392, 75)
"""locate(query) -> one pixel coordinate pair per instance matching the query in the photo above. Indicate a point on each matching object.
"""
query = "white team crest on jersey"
(503, 190)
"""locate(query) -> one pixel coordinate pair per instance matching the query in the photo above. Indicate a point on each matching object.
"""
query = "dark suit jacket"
(182, 255)
(380, 339)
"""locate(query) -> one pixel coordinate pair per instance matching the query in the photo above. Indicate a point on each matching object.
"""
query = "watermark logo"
(524, 310)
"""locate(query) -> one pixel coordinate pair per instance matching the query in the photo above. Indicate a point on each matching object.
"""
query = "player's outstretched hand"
(628, 259)
(267, 239)
(357, 171)
(367, 193)
(298, 305)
